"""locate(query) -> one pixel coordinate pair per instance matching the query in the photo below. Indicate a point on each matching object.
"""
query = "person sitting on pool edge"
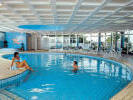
(75, 66)
(16, 63)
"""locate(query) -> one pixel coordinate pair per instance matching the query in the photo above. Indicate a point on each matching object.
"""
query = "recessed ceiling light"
(0, 4)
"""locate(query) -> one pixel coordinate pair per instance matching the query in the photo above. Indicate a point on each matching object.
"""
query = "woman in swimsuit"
(75, 66)
(18, 63)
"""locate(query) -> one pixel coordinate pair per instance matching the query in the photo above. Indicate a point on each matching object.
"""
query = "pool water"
(53, 79)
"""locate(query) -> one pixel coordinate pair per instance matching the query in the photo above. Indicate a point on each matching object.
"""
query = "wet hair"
(15, 54)
(75, 62)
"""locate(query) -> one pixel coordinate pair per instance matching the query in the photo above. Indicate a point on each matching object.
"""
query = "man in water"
(75, 67)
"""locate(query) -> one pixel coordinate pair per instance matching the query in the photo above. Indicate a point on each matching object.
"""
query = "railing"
(105, 53)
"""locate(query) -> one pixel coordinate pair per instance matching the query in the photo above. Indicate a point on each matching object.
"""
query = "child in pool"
(75, 66)
(16, 63)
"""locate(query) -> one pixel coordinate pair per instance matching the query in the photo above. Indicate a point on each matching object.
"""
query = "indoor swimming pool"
(53, 79)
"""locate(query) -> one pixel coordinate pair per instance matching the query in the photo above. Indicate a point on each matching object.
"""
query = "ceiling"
(75, 15)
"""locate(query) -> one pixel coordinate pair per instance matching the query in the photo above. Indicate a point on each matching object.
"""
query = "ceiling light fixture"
(0, 4)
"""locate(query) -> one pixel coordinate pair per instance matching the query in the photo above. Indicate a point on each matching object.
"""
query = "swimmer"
(16, 63)
(75, 67)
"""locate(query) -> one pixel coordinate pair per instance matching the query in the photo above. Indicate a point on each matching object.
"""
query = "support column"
(49, 44)
(62, 41)
(83, 42)
(69, 40)
(55, 41)
(99, 42)
(34, 42)
(77, 40)
(39, 42)
(122, 39)
(111, 41)
(35, 38)
(128, 44)
(90, 44)
(105, 41)
(29, 41)
(116, 39)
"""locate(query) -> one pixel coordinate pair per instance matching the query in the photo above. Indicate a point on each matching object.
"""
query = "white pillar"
(55, 40)
(62, 41)
(35, 38)
(105, 40)
(99, 42)
(83, 41)
(39, 42)
(112, 44)
(49, 45)
(69, 40)
(90, 42)
(32, 41)
(128, 44)
(76, 40)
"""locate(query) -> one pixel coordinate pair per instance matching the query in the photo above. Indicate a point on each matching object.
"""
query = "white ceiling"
(76, 15)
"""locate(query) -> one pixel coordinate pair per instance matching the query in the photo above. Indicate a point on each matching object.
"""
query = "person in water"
(75, 66)
(16, 63)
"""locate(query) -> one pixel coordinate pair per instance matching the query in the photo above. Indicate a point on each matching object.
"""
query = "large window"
(66, 41)
(108, 41)
(128, 43)
(72, 40)
(90, 41)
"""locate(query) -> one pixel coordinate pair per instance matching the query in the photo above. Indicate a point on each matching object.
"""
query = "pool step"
(10, 95)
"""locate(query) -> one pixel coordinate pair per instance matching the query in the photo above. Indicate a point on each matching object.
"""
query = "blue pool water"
(97, 79)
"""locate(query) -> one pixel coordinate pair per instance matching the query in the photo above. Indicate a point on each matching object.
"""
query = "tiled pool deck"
(125, 94)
